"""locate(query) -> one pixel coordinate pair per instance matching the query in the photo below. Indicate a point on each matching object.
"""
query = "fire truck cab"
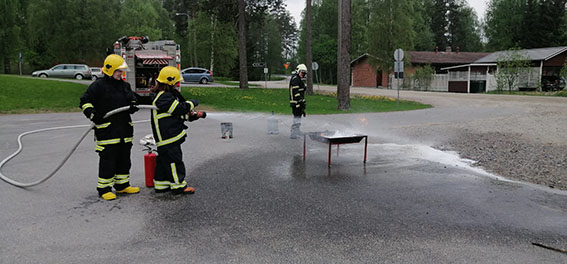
(145, 59)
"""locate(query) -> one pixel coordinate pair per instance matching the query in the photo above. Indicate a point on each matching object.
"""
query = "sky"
(296, 6)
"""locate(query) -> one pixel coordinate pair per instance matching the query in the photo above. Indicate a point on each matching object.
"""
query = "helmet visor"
(123, 67)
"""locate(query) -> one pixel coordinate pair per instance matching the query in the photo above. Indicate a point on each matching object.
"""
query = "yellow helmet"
(169, 75)
(112, 63)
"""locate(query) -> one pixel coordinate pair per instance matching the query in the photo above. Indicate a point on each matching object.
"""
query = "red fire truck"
(145, 59)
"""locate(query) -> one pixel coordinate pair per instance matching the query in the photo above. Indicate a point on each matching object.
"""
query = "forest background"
(79, 31)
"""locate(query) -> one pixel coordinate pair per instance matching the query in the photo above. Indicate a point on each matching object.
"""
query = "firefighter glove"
(89, 112)
(196, 115)
(96, 118)
(133, 109)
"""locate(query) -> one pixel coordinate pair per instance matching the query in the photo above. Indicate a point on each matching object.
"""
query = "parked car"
(552, 83)
(194, 74)
(96, 73)
(77, 71)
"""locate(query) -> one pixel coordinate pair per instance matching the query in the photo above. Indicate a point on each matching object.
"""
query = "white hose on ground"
(20, 147)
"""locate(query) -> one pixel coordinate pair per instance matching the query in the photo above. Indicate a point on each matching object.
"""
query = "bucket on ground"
(273, 125)
(226, 129)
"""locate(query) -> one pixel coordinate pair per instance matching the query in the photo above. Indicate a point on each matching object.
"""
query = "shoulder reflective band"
(157, 96)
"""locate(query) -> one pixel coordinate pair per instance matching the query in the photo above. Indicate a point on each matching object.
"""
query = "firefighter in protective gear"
(168, 128)
(297, 99)
(113, 135)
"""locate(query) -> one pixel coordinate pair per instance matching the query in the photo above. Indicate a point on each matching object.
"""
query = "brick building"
(365, 75)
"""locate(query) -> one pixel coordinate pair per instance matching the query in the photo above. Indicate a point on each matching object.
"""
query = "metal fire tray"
(331, 138)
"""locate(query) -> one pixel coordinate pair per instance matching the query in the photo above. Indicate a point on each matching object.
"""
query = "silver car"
(77, 71)
(96, 73)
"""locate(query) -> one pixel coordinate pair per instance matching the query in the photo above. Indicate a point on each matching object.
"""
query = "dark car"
(194, 74)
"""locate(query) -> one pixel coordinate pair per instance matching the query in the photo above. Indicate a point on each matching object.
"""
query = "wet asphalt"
(258, 201)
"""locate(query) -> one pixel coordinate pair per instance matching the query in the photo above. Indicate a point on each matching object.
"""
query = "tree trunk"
(343, 60)
(242, 44)
(7, 65)
(213, 25)
(308, 50)
(196, 62)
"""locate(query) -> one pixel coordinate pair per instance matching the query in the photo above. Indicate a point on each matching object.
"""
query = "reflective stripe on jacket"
(103, 96)
(167, 125)
(296, 90)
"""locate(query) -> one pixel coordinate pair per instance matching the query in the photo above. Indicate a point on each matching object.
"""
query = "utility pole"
(242, 44)
(308, 47)
(343, 60)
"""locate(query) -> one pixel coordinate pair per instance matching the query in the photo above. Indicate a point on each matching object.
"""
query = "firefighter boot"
(129, 190)
(295, 131)
(108, 196)
(186, 190)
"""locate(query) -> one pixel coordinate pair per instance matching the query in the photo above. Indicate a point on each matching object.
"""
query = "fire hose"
(20, 147)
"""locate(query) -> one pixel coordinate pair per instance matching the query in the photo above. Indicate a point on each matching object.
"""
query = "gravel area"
(510, 156)
(516, 137)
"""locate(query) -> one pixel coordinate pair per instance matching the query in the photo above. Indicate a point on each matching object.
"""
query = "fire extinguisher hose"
(20, 147)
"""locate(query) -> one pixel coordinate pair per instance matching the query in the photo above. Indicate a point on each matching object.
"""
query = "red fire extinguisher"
(150, 167)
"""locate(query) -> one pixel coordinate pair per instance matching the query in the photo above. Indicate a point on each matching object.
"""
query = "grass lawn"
(29, 95)
(234, 83)
(34, 95)
(276, 100)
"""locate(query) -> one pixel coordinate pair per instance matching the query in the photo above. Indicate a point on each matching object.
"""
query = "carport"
(479, 76)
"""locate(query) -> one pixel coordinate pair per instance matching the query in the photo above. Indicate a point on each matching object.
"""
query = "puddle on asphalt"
(387, 154)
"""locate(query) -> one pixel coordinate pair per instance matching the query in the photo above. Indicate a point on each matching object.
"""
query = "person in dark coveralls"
(297, 99)
(113, 135)
(168, 127)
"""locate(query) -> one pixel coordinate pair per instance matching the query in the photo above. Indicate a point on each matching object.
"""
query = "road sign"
(398, 54)
(20, 56)
(399, 69)
(399, 66)
(258, 65)
(265, 70)
(286, 65)
(315, 66)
